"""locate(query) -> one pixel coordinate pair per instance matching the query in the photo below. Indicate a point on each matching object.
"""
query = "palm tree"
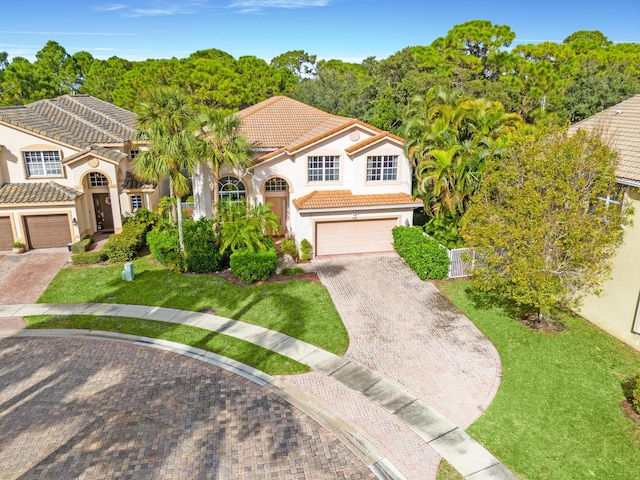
(220, 142)
(163, 121)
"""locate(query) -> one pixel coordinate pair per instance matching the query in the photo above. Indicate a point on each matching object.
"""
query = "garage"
(355, 236)
(46, 231)
(6, 235)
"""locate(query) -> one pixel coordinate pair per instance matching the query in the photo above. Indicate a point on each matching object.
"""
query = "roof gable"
(37, 192)
(620, 128)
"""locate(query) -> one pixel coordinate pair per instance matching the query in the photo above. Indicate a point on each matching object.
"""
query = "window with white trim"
(382, 168)
(136, 202)
(276, 185)
(231, 188)
(97, 179)
(323, 168)
(43, 163)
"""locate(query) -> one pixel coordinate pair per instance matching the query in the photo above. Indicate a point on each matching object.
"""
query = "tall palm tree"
(163, 121)
(220, 142)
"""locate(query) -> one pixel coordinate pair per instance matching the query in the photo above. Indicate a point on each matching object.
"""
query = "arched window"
(96, 179)
(231, 188)
(276, 185)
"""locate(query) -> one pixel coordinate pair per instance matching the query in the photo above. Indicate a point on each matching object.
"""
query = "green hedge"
(203, 249)
(252, 266)
(125, 245)
(88, 258)
(83, 245)
(164, 246)
(422, 254)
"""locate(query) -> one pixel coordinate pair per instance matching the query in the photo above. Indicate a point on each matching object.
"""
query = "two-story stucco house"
(66, 171)
(338, 182)
(617, 310)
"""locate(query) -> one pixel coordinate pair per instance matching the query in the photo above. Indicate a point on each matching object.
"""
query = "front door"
(280, 209)
(104, 215)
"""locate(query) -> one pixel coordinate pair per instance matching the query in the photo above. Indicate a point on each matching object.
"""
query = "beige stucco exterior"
(616, 310)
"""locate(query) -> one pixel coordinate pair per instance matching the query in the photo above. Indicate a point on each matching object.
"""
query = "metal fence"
(462, 262)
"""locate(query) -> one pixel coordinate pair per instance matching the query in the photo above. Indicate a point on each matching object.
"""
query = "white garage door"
(355, 236)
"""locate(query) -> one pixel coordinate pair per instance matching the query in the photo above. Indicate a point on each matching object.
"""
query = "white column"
(201, 182)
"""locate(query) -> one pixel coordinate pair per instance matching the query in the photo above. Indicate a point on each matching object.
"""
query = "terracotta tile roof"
(107, 153)
(131, 182)
(281, 123)
(620, 127)
(336, 199)
(77, 120)
(37, 192)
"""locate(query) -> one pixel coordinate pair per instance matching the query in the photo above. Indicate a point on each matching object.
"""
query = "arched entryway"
(276, 192)
(99, 188)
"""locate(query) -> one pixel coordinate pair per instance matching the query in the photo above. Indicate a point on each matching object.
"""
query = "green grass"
(557, 413)
(298, 308)
(253, 355)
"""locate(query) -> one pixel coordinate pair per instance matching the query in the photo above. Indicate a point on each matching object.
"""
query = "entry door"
(104, 215)
(280, 209)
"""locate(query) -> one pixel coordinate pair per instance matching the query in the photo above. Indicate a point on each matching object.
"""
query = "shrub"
(288, 247)
(631, 388)
(82, 245)
(201, 243)
(305, 250)
(251, 266)
(289, 271)
(423, 254)
(125, 246)
(88, 258)
(163, 243)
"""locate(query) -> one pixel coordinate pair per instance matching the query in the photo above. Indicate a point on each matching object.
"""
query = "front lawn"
(301, 309)
(557, 413)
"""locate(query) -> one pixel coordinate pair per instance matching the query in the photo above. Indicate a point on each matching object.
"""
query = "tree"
(298, 61)
(219, 142)
(165, 115)
(245, 226)
(539, 223)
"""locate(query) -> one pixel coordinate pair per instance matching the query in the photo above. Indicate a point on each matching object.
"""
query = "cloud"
(248, 6)
(110, 8)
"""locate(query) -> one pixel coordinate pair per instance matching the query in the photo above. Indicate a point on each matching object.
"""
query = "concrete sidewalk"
(466, 455)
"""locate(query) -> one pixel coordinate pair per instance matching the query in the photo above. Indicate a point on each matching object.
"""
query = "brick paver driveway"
(404, 329)
(78, 408)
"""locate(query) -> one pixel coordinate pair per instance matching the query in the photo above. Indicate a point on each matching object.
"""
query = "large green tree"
(542, 224)
(163, 122)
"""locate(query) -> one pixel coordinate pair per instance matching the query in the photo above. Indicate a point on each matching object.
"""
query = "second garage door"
(355, 236)
(45, 231)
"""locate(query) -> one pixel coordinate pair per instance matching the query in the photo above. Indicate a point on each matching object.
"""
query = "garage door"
(44, 231)
(6, 235)
(356, 236)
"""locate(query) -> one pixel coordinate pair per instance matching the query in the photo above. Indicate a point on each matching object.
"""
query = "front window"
(323, 168)
(382, 168)
(43, 163)
(98, 180)
(231, 188)
(136, 202)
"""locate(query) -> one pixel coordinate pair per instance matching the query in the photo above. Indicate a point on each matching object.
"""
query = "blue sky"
(349, 30)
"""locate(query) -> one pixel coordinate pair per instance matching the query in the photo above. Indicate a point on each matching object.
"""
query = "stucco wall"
(616, 309)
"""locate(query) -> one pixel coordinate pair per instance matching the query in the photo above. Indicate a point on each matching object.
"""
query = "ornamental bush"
(305, 250)
(163, 244)
(252, 266)
(203, 248)
(88, 258)
(125, 245)
(631, 389)
(423, 254)
(288, 247)
(82, 245)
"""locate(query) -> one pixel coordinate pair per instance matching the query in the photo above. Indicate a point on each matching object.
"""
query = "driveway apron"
(408, 332)
(24, 277)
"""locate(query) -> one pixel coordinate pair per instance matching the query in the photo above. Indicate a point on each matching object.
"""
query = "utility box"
(127, 273)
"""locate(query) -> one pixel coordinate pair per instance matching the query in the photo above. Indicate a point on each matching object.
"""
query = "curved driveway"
(409, 333)
(82, 408)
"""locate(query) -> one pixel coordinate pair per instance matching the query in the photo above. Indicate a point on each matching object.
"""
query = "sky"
(349, 30)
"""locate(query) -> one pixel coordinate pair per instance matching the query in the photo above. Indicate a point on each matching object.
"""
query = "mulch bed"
(630, 412)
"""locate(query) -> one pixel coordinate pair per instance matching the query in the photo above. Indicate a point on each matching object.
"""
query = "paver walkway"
(96, 409)
(406, 331)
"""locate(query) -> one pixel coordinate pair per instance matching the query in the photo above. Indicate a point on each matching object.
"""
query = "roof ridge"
(81, 120)
(97, 112)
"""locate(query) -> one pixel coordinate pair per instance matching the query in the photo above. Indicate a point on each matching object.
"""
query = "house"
(338, 182)
(66, 170)
(617, 310)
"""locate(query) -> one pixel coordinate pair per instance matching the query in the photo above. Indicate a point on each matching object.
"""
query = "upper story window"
(382, 168)
(323, 168)
(276, 185)
(43, 163)
(136, 202)
(231, 188)
(133, 154)
(98, 180)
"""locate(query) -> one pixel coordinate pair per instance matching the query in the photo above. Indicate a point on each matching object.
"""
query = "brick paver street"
(79, 408)
(404, 329)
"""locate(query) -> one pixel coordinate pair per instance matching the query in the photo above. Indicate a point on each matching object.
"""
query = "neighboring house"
(66, 171)
(338, 182)
(617, 309)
